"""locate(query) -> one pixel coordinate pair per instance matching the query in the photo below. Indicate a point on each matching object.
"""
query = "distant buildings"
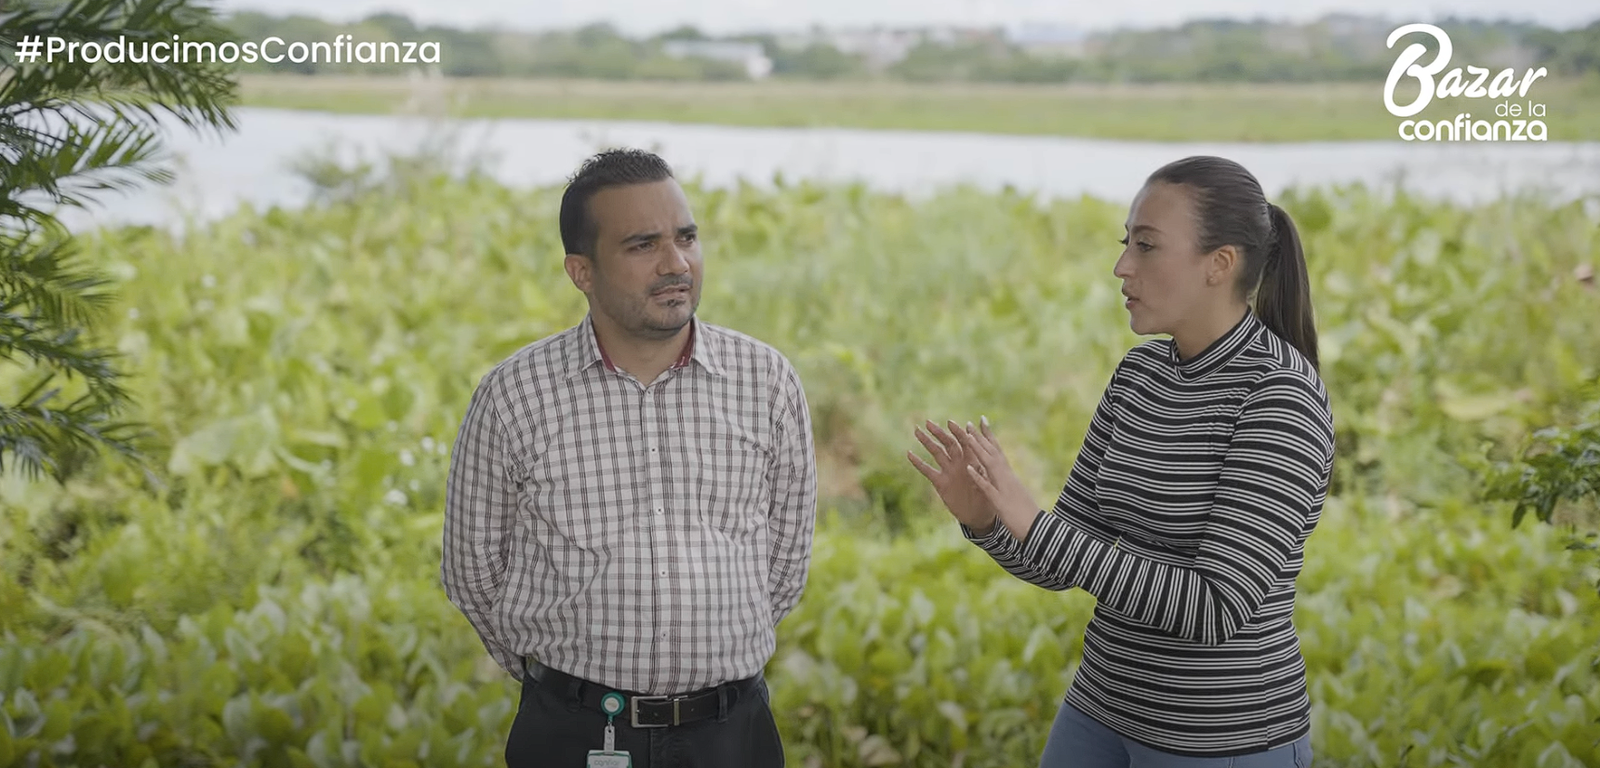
(1349, 38)
(882, 47)
(878, 48)
(1051, 40)
(751, 56)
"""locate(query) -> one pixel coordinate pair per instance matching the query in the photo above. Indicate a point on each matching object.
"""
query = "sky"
(729, 16)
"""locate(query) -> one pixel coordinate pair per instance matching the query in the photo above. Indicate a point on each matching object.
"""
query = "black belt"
(644, 711)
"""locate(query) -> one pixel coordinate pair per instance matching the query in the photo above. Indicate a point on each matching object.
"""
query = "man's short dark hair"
(611, 168)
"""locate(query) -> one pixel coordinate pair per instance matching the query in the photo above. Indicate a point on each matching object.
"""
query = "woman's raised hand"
(953, 478)
(991, 473)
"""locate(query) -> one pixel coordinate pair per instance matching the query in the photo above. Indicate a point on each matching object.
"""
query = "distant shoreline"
(1287, 112)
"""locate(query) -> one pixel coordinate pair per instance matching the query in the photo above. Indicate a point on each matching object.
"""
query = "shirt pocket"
(582, 494)
(727, 481)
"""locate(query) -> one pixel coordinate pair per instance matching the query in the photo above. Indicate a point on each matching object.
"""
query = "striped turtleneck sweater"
(1186, 515)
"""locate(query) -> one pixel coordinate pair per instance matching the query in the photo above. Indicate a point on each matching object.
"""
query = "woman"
(1203, 472)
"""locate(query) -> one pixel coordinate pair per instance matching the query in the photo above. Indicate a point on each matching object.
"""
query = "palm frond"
(44, 279)
(90, 159)
(43, 436)
(198, 93)
(69, 132)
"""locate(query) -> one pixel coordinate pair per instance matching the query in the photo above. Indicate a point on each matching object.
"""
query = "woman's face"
(1163, 274)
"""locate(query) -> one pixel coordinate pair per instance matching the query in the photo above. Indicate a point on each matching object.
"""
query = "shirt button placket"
(658, 509)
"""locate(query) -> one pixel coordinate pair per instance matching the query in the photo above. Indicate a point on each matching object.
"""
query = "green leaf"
(273, 724)
(236, 720)
(875, 750)
(1463, 407)
(47, 672)
(245, 441)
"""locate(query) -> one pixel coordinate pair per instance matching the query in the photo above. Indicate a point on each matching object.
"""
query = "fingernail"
(984, 420)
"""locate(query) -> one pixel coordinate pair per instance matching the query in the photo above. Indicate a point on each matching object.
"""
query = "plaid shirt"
(648, 538)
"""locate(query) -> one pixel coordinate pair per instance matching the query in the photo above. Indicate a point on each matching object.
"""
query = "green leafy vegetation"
(270, 594)
(1556, 475)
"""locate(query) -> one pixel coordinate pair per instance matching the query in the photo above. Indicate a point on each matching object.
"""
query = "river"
(253, 164)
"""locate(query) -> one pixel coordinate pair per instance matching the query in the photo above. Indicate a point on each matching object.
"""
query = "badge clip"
(612, 705)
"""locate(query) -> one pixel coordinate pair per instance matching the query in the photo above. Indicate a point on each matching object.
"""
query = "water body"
(253, 165)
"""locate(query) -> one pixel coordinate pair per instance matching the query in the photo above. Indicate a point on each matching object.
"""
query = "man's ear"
(580, 269)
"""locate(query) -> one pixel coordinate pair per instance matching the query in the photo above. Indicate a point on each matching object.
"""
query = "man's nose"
(675, 260)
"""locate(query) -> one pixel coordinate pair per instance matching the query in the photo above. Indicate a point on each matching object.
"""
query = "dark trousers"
(553, 729)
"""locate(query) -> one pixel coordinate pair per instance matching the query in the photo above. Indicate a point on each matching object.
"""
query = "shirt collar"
(585, 350)
(1241, 335)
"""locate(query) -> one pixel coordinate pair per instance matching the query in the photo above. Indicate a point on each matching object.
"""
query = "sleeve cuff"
(1046, 528)
(1056, 545)
(998, 542)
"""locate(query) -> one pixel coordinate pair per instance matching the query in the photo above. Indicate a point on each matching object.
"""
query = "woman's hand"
(992, 474)
(953, 478)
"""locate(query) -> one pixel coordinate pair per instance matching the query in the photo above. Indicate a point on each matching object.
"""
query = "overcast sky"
(722, 16)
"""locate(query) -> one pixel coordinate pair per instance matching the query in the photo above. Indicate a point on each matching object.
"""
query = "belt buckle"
(633, 707)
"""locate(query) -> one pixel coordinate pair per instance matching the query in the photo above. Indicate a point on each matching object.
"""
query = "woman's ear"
(1221, 265)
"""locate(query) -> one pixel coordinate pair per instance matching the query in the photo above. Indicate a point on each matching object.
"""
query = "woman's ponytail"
(1284, 299)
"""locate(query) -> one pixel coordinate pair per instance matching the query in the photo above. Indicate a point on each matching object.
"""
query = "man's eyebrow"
(642, 237)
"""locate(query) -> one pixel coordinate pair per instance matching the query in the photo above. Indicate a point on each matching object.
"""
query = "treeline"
(1336, 48)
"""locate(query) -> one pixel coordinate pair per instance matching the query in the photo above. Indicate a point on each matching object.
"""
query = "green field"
(1246, 112)
(270, 594)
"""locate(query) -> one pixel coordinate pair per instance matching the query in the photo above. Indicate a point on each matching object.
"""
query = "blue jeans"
(1080, 741)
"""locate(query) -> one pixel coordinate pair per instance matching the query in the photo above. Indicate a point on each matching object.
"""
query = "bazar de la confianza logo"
(1500, 110)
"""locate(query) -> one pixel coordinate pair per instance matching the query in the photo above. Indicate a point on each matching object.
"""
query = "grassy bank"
(1256, 113)
(273, 600)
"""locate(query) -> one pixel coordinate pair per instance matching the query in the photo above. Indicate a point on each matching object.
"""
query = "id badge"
(599, 758)
(610, 757)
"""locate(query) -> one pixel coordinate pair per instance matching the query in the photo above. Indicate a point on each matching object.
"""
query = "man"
(631, 501)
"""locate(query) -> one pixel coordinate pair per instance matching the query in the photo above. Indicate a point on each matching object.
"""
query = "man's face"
(645, 276)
